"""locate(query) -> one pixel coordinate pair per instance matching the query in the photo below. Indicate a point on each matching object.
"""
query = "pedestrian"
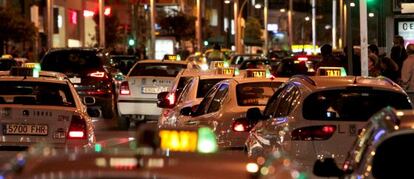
(398, 52)
(407, 71)
(216, 54)
(374, 68)
(387, 66)
(328, 60)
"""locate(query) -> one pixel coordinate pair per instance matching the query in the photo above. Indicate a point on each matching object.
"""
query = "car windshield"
(205, 85)
(255, 64)
(7, 64)
(157, 69)
(351, 104)
(71, 61)
(241, 58)
(124, 64)
(255, 94)
(35, 93)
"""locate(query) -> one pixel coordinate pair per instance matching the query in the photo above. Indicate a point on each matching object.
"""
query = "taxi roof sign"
(257, 73)
(172, 57)
(225, 71)
(216, 64)
(202, 140)
(6, 56)
(331, 71)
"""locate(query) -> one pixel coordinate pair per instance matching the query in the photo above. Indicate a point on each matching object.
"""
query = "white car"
(137, 100)
(228, 101)
(318, 117)
(44, 107)
(192, 94)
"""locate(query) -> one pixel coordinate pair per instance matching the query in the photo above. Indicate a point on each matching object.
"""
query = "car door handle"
(192, 122)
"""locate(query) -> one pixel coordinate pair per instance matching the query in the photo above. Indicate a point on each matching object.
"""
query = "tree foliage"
(177, 24)
(112, 32)
(14, 27)
(253, 32)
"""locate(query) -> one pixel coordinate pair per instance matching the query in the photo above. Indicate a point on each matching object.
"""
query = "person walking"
(387, 66)
(328, 60)
(398, 52)
(407, 71)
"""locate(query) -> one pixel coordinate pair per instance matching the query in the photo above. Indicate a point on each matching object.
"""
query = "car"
(237, 59)
(7, 62)
(85, 67)
(382, 150)
(309, 117)
(137, 101)
(42, 107)
(158, 153)
(226, 102)
(197, 85)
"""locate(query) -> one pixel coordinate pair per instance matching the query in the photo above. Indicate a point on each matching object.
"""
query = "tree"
(177, 24)
(112, 30)
(253, 32)
(14, 27)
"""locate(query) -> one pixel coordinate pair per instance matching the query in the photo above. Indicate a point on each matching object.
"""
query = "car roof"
(163, 61)
(252, 80)
(32, 79)
(74, 49)
(320, 82)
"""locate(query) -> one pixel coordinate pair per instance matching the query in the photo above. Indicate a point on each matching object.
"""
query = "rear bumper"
(139, 107)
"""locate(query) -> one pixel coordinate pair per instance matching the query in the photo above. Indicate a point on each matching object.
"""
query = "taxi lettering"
(182, 141)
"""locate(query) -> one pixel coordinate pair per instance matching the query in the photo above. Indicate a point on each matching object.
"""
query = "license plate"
(25, 129)
(154, 90)
(75, 80)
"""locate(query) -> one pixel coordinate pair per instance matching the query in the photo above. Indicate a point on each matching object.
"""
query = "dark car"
(7, 64)
(85, 69)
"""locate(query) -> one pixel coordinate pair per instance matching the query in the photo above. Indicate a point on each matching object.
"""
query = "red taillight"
(77, 128)
(302, 59)
(241, 126)
(171, 98)
(97, 74)
(314, 132)
(124, 88)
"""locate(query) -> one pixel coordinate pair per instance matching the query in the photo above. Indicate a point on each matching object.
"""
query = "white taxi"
(229, 100)
(42, 107)
(191, 95)
(320, 116)
(137, 100)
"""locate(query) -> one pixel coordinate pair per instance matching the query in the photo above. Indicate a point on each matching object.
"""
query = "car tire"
(108, 110)
(123, 123)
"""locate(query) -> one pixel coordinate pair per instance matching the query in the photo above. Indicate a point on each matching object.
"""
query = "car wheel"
(108, 110)
(123, 123)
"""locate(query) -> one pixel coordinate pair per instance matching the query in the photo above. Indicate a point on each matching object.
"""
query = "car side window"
(286, 98)
(185, 91)
(205, 103)
(273, 101)
(218, 98)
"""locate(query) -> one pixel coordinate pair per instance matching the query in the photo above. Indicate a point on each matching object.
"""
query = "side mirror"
(254, 115)
(186, 111)
(88, 100)
(166, 100)
(327, 168)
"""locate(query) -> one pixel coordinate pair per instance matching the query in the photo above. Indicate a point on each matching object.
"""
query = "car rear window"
(351, 104)
(36, 93)
(71, 61)
(205, 85)
(157, 69)
(255, 94)
(393, 157)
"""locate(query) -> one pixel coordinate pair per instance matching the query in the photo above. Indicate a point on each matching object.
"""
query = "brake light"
(241, 126)
(314, 132)
(77, 128)
(124, 88)
(97, 74)
(171, 98)
(303, 59)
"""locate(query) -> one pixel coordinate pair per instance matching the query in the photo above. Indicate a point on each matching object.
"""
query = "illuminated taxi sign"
(6, 56)
(225, 71)
(256, 73)
(172, 57)
(331, 71)
(202, 140)
(217, 64)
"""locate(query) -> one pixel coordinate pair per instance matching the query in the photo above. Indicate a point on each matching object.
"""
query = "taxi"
(194, 91)
(159, 153)
(309, 116)
(137, 100)
(42, 107)
(7, 62)
(382, 149)
(226, 102)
